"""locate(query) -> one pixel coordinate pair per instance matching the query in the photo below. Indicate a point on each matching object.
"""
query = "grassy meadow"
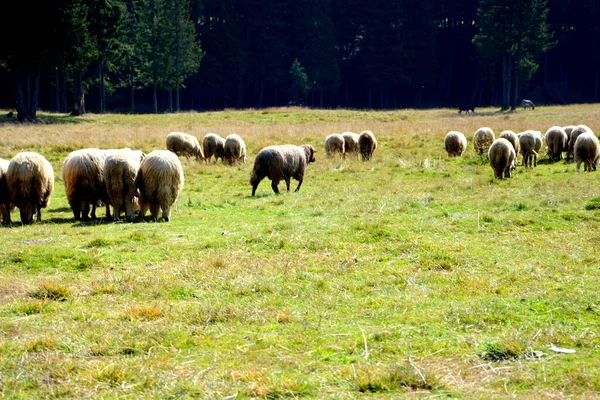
(413, 275)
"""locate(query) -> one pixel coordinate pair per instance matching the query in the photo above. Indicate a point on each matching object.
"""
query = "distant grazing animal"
(367, 145)
(557, 141)
(30, 180)
(502, 158)
(4, 194)
(527, 104)
(587, 151)
(183, 144)
(482, 140)
(578, 130)
(466, 109)
(527, 141)
(456, 144)
(281, 163)
(159, 180)
(350, 144)
(334, 144)
(213, 146)
(234, 150)
(513, 139)
(120, 174)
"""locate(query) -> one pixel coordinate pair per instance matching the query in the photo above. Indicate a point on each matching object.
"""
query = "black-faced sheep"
(587, 151)
(367, 145)
(4, 193)
(30, 180)
(456, 144)
(281, 163)
(334, 144)
(213, 146)
(350, 144)
(557, 141)
(513, 139)
(527, 141)
(502, 158)
(578, 130)
(482, 140)
(84, 183)
(234, 150)
(183, 144)
(160, 180)
(120, 174)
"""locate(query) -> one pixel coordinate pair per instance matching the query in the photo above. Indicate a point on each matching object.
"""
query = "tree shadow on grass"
(45, 119)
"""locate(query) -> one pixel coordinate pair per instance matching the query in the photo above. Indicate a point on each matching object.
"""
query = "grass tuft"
(406, 376)
(144, 312)
(51, 291)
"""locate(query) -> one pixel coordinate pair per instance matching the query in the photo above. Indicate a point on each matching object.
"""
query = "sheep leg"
(287, 184)
(299, 184)
(108, 211)
(76, 207)
(94, 210)
(154, 209)
(274, 186)
(38, 210)
(166, 213)
(85, 210)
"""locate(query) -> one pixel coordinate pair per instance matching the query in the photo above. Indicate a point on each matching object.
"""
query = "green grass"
(413, 275)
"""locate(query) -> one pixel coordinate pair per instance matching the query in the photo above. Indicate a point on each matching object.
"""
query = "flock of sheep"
(576, 141)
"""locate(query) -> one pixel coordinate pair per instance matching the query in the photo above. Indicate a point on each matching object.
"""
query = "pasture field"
(413, 275)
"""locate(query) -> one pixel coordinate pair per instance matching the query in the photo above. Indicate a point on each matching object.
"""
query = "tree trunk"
(34, 100)
(79, 103)
(177, 104)
(170, 100)
(515, 95)
(154, 99)
(63, 93)
(102, 89)
(19, 96)
(131, 92)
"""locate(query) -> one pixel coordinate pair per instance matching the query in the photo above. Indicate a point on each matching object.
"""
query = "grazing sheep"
(160, 180)
(528, 142)
(183, 144)
(482, 140)
(84, 183)
(513, 139)
(578, 130)
(456, 144)
(234, 150)
(587, 151)
(557, 141)
(367, 145)
(281, 163)
(4, 194)
(213, 146)
(350, 143)
(120, 173)
(502, 158)
(527, 104)
(568, 129)
(334, 144)
(30, 180)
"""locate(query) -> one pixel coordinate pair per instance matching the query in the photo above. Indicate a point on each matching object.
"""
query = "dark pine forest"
(168, 55)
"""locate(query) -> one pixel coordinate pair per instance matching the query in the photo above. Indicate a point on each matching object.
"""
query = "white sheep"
(512, 138)
(557, 141)
(587, 151)
(578, 130)
(528, 141)
(4, 193)
(213, 146)
(183, 144)
(282, 162)
(482, 140)
(456, 143)
(30, 180)
(120, 174)
(502, 158)
(367, 145)
(160, 180)
(334, 144)
(351, 144)
(234, 150)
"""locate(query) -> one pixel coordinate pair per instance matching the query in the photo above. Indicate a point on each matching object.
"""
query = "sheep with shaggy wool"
(213, 146)
(513, 139)
(587, 151)
(234, 150)
(351, 144)
(120, 174)
(159, 180)
(282, 162)
(30, 180)
(334, 144)
(456, 144)
(557, 141)
(183, 144)
(502, 158)
(482, 140)
(578, 130)
(528, 142)
(367, 145)
(4, 193)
